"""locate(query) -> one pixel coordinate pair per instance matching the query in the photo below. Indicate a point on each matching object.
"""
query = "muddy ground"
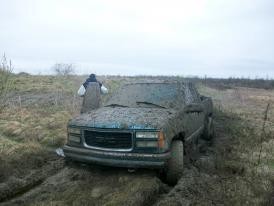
(60, 183)
(221, 173)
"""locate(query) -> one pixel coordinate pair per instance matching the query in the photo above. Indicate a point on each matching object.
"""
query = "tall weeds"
(5, 81)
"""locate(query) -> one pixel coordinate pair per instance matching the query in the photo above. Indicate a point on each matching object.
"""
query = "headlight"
(74, 134)
(74, 130)
(149, 135)
(151, 139)
(74, 138)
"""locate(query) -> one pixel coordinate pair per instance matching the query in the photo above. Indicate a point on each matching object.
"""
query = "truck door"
(194, 120)
(198, 116)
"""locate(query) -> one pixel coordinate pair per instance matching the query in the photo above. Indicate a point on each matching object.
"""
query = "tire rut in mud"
(200, 177)
(92, 185)
(78, 184)
(14, 187)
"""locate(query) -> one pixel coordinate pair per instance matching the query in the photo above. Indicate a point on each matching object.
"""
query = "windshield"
(156, 95)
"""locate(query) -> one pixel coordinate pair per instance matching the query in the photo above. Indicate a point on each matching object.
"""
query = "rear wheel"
(175, 164)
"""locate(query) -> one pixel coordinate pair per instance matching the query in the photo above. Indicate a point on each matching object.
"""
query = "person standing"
(92, 78)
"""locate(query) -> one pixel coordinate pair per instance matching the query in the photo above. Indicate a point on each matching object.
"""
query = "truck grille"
(109, 140)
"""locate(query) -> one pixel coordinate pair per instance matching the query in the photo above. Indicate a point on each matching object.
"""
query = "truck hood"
(124, 118)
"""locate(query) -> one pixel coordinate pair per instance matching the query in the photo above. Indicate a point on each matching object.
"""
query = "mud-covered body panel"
(175, 118)
(124, 118)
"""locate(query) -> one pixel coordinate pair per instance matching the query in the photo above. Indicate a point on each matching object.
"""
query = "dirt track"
(92, 185)
(77, 184)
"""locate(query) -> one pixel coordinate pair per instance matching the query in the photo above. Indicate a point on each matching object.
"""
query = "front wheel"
(175, 164)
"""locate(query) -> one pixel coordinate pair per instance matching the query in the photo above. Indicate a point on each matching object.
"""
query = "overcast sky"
(219, 38)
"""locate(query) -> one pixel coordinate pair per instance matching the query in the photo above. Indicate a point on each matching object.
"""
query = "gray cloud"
(202, 37)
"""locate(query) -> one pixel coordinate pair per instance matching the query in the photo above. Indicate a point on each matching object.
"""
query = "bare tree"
(63, 69)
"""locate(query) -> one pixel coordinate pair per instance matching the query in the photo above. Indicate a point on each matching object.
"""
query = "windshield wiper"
(150, 103)
(115, 105)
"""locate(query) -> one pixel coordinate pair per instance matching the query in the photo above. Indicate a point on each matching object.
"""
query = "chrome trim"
(107, 149)
(85, 151)
(126, 159)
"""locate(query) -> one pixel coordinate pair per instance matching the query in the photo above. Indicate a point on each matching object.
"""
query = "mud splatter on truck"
(143, 125)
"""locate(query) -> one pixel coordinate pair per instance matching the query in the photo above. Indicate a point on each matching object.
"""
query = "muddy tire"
(209, 131)
(175, 164)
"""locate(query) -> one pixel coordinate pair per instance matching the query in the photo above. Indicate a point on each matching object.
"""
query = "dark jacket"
(91, 79)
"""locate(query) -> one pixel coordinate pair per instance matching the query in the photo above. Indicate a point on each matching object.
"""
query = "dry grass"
(6, 82)
(244, 160)
(34, 122)
(38, 109)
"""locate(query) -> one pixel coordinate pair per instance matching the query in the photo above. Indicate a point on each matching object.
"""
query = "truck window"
(163, 94)
(195, 93)
(191, 94)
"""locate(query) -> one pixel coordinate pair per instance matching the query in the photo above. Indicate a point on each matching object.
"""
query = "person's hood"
(92, 79)
(124, 118)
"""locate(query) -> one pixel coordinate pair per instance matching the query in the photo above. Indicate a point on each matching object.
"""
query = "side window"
(188, 94)
(195, 93)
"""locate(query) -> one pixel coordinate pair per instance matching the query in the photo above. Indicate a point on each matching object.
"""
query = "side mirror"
(193, 108)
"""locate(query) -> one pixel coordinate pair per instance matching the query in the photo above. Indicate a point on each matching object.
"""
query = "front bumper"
(117, 159)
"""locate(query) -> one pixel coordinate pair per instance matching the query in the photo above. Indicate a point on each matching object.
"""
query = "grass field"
(237, 169)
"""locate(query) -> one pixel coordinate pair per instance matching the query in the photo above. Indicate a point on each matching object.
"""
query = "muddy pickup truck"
(143, 125)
